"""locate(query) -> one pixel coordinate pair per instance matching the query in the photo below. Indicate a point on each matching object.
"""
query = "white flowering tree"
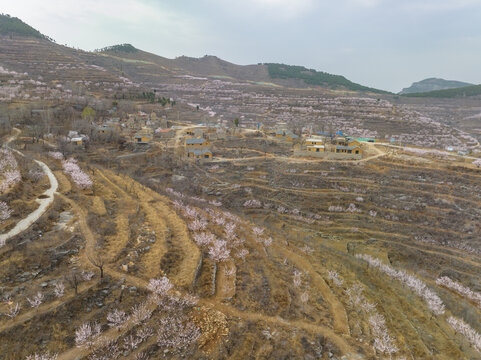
(87, 334)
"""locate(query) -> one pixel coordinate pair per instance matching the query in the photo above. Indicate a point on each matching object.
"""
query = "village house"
(76, 141)
(108, 126)
(75, 138)
(331, 148)
(199, 154)
(343, 145)
(291, 137)
(349, 149)
(315, 144)
(142, 138)
(196, 142)
(316, 148)
(353, 142)
(343, 141)
(164, 133)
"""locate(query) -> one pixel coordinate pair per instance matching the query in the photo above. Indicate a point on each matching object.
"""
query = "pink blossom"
(197, 225)
(59, 289)
(460, 289)
(13, 310)
(255, 204)
(204, 238)
(42, 356)
(36, 301)
(335, 278)
(5, 211)
(258, 231)
(117, 319)
(242, 254)
(160, 286)
(87, 334)
(140, 313)
(81, 179)
(473, 337)
(219, 251)
(433, 301)
(55, 155)
(177, 332)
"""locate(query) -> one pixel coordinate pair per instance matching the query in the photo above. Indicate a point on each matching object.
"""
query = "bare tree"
(46, 116)
(98, 262)
(73, 279)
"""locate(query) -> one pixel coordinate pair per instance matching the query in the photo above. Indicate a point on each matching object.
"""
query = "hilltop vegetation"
(450, 93)
(313, 77)
(12, 25)
(433, 84)
(128, 48)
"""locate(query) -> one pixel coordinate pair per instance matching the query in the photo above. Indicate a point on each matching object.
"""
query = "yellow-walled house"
(340, 141)
(142, 139)
(196, 142)
(76, 141)
(314, 141)
(199, 154)
(356, 150)
(353, 142)
(315, 148)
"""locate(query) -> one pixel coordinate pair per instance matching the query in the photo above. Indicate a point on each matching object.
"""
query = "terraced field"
(254, 255)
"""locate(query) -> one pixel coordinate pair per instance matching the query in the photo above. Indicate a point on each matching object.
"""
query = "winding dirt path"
(45, 200)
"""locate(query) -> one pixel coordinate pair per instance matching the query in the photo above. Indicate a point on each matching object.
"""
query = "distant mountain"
(474, 90)
(208, 65)
(127, 48)
(42, 57)
(314, 77)
(433, 84)
(14, 26)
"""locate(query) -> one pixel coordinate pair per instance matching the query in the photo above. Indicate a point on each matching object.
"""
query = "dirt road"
(45, 200)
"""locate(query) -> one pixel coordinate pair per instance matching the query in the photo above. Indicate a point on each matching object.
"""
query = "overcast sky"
(387, 44)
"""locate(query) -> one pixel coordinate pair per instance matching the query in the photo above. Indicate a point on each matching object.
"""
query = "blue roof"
(195, 141)
(200, 152)
(347, 147)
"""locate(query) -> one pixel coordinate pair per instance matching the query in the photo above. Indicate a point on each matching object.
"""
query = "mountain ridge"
(466, 91)
(10, 25)
(433, 84)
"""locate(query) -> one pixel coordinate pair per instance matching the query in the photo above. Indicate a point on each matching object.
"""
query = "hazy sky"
(386, 44)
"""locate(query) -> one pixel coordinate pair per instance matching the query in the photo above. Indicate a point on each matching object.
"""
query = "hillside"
(212, 65)
(473, 90)
(36, 68)
(313, 77)
(145, 66)
(14, 26)
(433, 84)
(126, 60)
(208, 65)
